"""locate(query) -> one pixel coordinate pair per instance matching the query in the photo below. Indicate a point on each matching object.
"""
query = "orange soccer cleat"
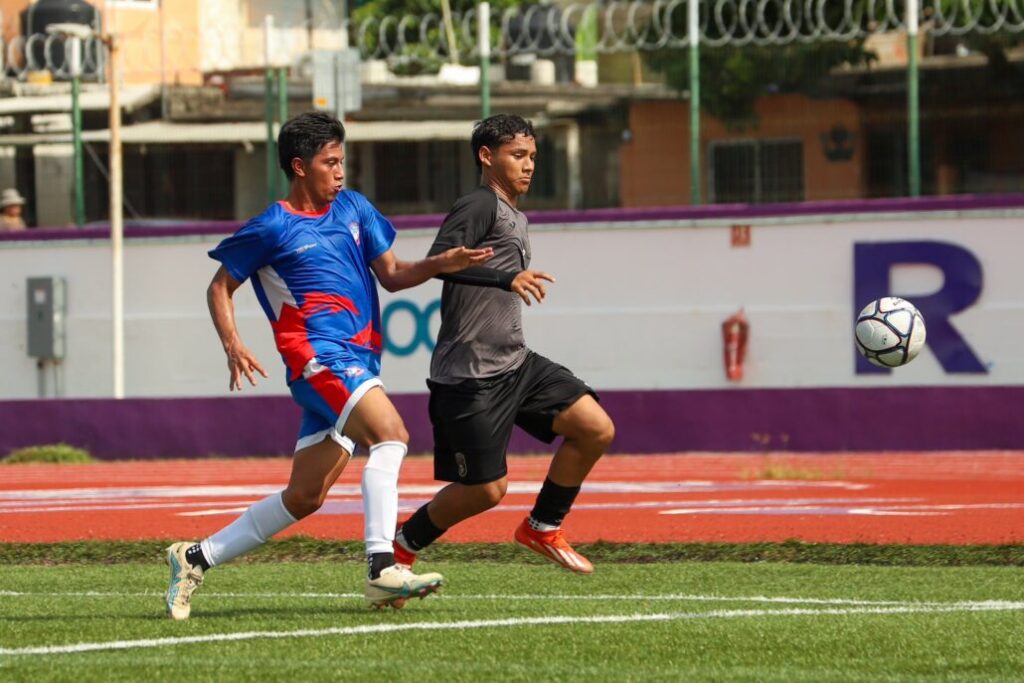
(552, 545)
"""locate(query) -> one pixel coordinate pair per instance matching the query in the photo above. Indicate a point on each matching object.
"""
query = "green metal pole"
(76, 127)
(268, 116)
(913, 102)
(282, 115)
(694, 33)
(485, 90)
(484, 39)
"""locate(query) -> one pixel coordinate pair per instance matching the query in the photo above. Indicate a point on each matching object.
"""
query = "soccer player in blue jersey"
(484, 379)
(312, 259)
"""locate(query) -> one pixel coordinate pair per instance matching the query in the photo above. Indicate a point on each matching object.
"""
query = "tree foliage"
(733, 78)
(417, 56)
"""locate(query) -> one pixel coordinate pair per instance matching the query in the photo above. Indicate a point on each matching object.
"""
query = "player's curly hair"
(305, 135)
(495, 131)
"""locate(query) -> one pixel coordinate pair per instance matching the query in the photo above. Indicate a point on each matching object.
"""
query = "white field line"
(672, 597)
(727, 503)
(676, 506)
(788, 509)
(882, 507)
(240, 490)
(826, 506)
(106, 507)
(498, 623)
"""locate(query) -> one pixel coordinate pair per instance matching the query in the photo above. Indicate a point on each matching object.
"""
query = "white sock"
(380, 495)
(262, 520)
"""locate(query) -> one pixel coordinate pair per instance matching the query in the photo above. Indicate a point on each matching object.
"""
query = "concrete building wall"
(234, 35)
(221, 39)
(655, 167)
(656, 159)
(177, 41)
(160, 44)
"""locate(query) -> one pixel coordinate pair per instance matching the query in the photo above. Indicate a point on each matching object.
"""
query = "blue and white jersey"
(311, 273)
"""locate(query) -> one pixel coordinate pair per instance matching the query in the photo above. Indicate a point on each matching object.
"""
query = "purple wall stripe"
(739, 212)
(800, 420)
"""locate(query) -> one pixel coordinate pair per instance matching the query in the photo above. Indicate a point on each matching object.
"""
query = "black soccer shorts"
(473, 419)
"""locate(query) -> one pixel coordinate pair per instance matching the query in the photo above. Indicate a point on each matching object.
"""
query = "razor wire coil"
(548, 30)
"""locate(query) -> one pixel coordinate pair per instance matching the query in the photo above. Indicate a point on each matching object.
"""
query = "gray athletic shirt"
(481, 327)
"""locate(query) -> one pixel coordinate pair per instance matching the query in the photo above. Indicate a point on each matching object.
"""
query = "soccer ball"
(890, 332)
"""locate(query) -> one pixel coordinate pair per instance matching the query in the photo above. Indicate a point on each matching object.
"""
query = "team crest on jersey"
(353, 372)
(354, 229)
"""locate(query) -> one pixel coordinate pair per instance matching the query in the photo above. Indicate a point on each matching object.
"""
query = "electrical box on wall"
(46, 306)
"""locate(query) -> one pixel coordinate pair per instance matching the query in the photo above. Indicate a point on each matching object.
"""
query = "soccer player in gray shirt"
(483, 377)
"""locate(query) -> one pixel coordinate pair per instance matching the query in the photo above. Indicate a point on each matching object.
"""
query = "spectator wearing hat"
(11, 203)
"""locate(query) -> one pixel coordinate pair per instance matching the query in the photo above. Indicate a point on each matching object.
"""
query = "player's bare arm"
(241, 361)
(395, 275)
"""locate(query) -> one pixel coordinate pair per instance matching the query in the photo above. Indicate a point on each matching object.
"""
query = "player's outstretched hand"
(460, 258)
(242, 362)
(530, 282)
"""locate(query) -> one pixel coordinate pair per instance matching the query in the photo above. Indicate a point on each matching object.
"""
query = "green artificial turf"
(301, 548)
(519, 621)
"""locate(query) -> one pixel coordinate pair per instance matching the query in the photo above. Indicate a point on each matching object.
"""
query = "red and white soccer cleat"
(552, 545)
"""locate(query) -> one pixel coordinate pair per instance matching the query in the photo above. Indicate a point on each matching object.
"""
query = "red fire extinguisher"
(735, 330)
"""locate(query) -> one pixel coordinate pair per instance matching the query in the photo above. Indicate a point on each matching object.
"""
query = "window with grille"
(753, 171)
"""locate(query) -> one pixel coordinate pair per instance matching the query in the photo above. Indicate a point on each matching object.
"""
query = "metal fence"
(552, 29)
(46, 52)
(628, 25)
(229, 39)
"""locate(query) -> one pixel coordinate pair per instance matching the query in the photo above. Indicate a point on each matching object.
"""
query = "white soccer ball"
(890, 332)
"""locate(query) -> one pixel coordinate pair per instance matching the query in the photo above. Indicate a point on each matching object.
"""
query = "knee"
(492, 493)
(302, 503)
(401, 433)
(603, 433)
(596, 435)
(391, 430)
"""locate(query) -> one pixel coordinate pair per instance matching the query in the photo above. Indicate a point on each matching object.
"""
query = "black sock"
(378, 562)
(553, 503)
(194, 556)
(418, 531)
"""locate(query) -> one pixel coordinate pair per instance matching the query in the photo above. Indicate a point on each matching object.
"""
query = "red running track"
(957, 498)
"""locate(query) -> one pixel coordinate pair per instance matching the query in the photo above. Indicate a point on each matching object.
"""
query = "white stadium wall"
(637, 307)
(633, 308)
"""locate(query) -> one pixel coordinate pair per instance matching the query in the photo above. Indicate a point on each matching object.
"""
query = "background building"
(780, 121)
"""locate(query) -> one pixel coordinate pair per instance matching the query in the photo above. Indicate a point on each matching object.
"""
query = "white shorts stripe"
(356, 396)
(337, 432)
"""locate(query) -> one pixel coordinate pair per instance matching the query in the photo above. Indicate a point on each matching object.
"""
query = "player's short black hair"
(495, 131)
(305, 135)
